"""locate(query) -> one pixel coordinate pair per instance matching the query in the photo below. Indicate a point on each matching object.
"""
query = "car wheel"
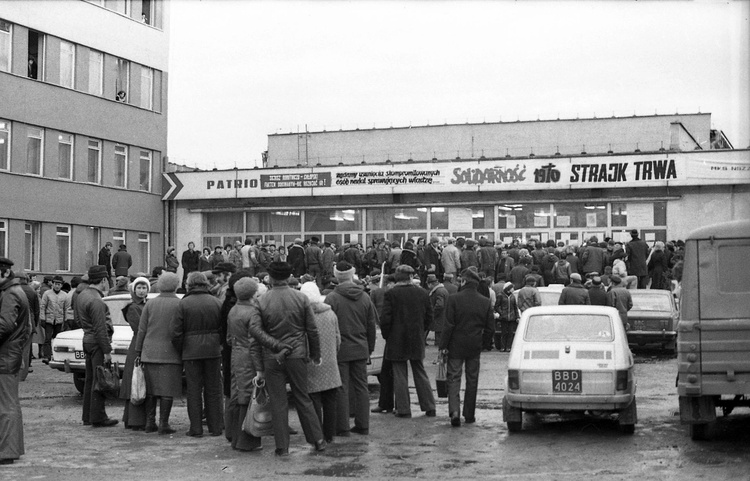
(79, 379)
(515, 426)
(699, 432)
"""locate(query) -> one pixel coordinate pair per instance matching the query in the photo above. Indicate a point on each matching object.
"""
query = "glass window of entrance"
(588, 214)
(513, 216)
(400, 219)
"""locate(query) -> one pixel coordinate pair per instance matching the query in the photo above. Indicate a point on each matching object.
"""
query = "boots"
(151, 414)
(165, 407)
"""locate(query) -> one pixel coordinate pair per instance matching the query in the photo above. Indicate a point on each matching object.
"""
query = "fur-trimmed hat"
(470, 275)
(97, 273)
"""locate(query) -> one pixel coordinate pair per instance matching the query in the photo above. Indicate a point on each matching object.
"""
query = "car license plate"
(80, 355)
(566, 382)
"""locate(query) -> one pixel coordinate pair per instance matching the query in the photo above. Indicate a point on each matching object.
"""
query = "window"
(123, 80)
(3, 238)
(5, 43)
(94, 162)
(67, 64)
(65, 155)
(36, 55)
(144, 251)
(590, 214)
(118, 237)
(31, 246)
(393, 219)
(63, 248)
(148, 12)
(145, 169)
(34, 150)
(96, 69)
(147, 87)
(4, 145)
(92, 246)
(275, 221)
(512, 216)
(121, 166)
(333, 220)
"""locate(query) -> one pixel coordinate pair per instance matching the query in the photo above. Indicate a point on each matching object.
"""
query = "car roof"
(736, 229)
(570, 309)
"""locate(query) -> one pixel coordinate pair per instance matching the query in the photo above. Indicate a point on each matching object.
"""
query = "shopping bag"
(107, 380)
(138, 384)
(258, 419)
(441, 379)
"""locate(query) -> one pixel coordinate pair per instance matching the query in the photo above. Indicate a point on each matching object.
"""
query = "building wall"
(91, 211)
(569, 137)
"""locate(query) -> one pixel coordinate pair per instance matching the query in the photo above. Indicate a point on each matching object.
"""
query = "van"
(713, 333)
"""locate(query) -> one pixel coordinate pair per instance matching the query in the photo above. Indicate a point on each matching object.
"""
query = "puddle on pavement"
(338, 470)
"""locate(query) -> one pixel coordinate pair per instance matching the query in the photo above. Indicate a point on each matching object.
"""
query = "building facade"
(664, 192)
(83, 131)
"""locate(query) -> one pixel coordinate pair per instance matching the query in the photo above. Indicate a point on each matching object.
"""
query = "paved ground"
(59, 448)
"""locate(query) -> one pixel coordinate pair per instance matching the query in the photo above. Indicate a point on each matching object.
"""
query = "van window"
(734, 274)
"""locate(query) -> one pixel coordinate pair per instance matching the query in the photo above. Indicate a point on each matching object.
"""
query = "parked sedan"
(653, 318)
(570, 359)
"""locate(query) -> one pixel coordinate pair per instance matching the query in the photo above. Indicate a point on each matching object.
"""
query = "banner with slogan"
(601, 172)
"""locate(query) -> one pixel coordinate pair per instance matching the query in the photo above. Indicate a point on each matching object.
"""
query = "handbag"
(138, 384)
(441, 379)
(258, 418)
(107, 380)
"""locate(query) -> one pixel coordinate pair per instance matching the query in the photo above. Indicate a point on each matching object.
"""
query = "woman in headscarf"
(658, 265)
(134, 417)
(162, 364)
(243, 369)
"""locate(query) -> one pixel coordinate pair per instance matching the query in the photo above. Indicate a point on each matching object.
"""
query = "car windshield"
(569, 327)
(651, 302)
(550, 298)
(115, 310)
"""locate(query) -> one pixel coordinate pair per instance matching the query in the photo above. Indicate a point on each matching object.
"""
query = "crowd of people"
(306, 315)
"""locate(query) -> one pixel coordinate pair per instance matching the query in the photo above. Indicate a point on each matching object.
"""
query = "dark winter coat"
(468, 318)
(357, 319)
(637, 252)
(407, 313)
(122, 262)
(15, 327)
(438, 301)
(105, 259)
(296, 258)
(409, 258)
(620, 299)
(191, 261)
(598, 296)
(93, 314)
(195, 327)
(573, 294)
(593, 259)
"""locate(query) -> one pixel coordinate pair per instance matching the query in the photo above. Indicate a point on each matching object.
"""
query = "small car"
(570, 359)
(653, 318)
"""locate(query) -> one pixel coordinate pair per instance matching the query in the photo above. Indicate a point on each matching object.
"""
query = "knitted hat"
(343, 271)
(97, 273)
(140, 280)
(168, 282)
(245, 288)
(432, 278)
(310, 289)
(508, 287)
(575, 277)
(470, 275)
(279, 271)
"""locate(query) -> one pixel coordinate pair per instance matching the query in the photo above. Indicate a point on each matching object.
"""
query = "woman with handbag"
(161, 361)
(134, 417)
(243, 369)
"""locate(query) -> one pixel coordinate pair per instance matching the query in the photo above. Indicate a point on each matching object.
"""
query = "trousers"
(421, 383)
(354, 380)
(455, 366)
(203, 379)
(93, 402)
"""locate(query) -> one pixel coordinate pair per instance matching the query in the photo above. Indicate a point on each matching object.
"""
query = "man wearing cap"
(357, 318)
(593, 257)
(55, 305)
(619, 298)
(223, 271)
(235, 256)
(286, 315)
(637, 254)
(438, 301)
(314, 260)
(507, 320)
(96, 323)
(171, 260)
(451, 257)
(574, 293)
(529, 295)
(105, 259)
(487, 258)
(15, 330)
(597, 293)
(468, 320)
(407, 314)
(122, 261)
(432, 262)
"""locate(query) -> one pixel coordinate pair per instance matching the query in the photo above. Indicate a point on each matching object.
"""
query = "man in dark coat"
(93, 314)
(575, 293)
(432, 258)
(191, 261)
(487, 258)
(593, 257)
(597, 294)
(296, 258)
(122, 261)
(406, 315)
(637, 253)
(195, 334)
(15, 330)
(438, 301)
(105, 259)
(286, 315)
(358, 319)
(33, 299)
(619, 298)
(469, 319)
